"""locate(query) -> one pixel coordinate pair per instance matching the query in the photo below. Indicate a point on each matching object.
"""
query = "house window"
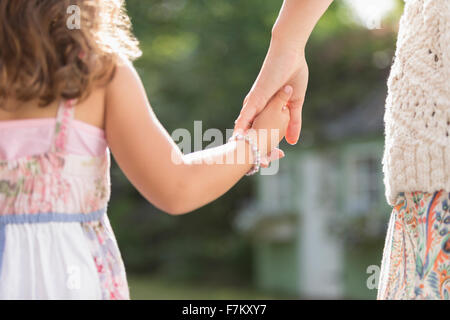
(366, 191)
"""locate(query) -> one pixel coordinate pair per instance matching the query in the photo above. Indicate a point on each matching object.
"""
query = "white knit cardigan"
(417, 117)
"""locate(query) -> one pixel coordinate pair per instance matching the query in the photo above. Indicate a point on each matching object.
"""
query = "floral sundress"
(416, 257)
(56, 241)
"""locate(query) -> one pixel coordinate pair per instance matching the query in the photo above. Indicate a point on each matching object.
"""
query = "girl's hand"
(272, 120)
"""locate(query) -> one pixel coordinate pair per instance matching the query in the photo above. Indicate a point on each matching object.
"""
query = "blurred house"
(318, 226)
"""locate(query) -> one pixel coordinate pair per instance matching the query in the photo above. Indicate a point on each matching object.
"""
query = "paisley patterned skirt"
(416, 256)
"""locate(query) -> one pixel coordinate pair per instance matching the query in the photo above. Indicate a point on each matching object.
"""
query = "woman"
(416, 162)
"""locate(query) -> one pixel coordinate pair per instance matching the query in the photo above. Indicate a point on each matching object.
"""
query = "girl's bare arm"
(154, 164)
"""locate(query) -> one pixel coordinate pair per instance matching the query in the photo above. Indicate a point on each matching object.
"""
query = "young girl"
(66, 98)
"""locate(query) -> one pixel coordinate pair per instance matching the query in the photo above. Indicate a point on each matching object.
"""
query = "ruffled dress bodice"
(55, 238)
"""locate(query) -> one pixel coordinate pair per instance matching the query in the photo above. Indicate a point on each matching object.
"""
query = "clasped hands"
(283, 65)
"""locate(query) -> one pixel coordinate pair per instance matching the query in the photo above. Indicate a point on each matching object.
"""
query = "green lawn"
(147, 288)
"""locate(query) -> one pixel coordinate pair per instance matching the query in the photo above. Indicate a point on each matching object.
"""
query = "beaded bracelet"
(255, 151)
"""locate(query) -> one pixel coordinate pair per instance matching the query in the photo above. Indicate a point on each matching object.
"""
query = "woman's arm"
(296, 21)
(285, 63)
(153, 162)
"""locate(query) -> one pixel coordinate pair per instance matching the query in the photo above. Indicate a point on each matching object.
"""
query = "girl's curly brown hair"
(42, 58)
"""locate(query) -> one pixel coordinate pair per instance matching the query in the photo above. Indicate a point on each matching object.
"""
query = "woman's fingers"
(273, 156)
(299, 83)
(295, 123)
(276, 154)
(265, 162)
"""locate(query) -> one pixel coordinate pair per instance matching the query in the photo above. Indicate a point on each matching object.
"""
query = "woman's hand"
(270, 125)
(284, 65)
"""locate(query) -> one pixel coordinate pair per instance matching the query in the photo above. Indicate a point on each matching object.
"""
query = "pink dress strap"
(66, 113)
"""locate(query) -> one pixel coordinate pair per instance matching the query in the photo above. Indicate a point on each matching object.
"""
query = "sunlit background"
(370, 13)
(314, 230)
